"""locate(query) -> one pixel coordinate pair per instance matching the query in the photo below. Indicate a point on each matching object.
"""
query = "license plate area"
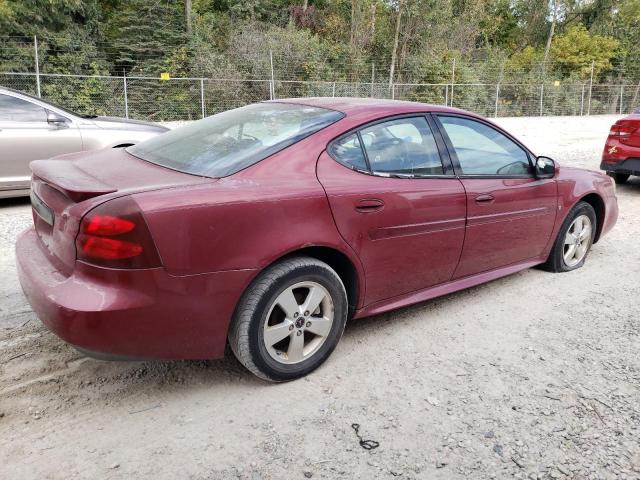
(41, 209)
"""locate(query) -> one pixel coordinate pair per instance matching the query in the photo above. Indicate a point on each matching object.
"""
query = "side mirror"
(57, 120)
(545, 167)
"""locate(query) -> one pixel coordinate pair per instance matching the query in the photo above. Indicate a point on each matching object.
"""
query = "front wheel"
(290, 319)
(574, 240)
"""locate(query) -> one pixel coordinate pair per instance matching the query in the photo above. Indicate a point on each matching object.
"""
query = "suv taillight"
(115, 235)
(621, 131)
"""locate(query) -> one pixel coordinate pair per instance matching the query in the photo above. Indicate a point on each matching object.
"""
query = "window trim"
(445, 159)
(454, 156)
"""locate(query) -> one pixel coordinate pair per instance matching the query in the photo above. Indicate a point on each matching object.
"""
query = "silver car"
(32, 129)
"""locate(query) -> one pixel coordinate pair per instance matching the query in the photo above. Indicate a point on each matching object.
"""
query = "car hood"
(117, 123)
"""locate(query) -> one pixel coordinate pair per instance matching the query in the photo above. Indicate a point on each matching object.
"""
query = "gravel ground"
(536, 375)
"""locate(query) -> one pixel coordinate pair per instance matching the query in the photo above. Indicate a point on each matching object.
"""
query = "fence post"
(621, 93)
(272, 93)
(541, 99)
(497, 99)
(373, 75)
(126, 99)
(582, 101)
(393, 91)
(35, 48)
(590, 89)
(333, 90)
(204, 113)
(453, 79)
(446, 94)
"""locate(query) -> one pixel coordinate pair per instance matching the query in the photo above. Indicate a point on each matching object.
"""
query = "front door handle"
(369, 205)
(485, 198)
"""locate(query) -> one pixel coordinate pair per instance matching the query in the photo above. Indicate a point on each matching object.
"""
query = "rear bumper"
(629, 166)
(130, 313)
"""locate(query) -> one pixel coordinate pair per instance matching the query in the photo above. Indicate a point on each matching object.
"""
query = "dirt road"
(536, 375)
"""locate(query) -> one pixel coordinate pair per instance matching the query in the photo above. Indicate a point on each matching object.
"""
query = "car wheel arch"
(348, 269)
(598, 205)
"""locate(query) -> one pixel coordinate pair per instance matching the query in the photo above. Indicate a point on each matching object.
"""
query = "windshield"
(228, 142)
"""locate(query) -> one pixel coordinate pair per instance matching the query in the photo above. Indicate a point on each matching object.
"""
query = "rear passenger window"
(347, 150)
(403, 146)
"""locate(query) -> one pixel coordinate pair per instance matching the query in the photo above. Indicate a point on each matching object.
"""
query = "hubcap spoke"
(578, 225)
(288, 303)
(276, 333)
(585, 233)
(569, 254)
(295, 352)
(320, 326)
(314, 297)
(570, 239)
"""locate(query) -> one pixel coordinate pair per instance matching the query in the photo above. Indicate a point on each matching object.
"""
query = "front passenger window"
(403, 146)
(482, 150)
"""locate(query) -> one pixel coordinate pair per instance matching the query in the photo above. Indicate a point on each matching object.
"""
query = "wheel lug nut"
(290, 327)
(296, 315)
(299, 332)
(308, 324)
(306, 314)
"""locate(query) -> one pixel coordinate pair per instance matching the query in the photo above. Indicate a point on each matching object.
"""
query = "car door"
(510, 213)
(397, 205)
(26, 135)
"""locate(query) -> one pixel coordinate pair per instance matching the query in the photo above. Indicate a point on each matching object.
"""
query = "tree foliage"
(407, 41)
(576, 51)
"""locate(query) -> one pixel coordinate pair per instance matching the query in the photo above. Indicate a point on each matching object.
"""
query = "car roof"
(382, 106)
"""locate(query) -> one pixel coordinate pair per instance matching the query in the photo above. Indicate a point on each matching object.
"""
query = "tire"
(619, 178)
(266, 312)
(558, 260)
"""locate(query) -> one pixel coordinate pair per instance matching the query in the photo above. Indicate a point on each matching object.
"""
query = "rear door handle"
(369, 205)
(485, 198)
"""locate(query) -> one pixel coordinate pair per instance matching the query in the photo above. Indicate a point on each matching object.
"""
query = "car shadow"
(14, 202)
(630, 186)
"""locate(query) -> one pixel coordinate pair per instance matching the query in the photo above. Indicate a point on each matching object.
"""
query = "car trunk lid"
(64, 189)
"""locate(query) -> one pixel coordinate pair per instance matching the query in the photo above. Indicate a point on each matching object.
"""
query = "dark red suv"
(621, 156)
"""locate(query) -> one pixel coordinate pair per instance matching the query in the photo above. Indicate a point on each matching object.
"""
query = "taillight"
(116, 235)
(621, 131)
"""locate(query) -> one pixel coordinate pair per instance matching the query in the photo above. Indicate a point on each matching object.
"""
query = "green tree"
(576, 50)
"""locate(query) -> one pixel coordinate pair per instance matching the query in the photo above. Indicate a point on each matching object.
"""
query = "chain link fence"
(149, 98)
(488, 88)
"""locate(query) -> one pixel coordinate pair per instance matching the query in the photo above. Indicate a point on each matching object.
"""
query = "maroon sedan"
(269, 226)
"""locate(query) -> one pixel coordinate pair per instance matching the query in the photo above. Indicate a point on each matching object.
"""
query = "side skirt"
(443, 289)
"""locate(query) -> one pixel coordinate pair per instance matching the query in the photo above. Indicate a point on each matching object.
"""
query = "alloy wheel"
(298, 322)
(577, 240)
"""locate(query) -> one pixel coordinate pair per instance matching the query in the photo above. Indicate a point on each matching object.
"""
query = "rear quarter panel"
(248, 220)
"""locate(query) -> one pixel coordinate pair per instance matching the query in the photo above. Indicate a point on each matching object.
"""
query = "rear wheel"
(574, 240)
(290, 319)
(619, 178)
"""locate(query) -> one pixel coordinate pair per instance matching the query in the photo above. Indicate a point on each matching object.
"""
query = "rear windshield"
(226, 143)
